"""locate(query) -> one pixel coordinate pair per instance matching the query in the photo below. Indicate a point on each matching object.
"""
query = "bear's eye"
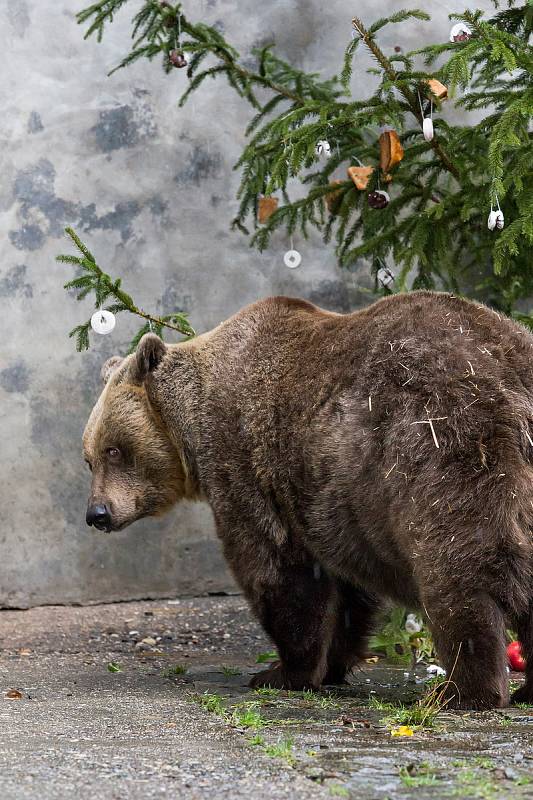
(113, 453)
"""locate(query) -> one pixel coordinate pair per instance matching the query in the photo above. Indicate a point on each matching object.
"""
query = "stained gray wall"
(151, 189)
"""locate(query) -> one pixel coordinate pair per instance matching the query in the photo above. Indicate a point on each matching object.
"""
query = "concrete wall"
(151, 188)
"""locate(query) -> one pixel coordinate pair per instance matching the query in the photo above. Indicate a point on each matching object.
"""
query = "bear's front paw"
(523, 695)
(277, 677)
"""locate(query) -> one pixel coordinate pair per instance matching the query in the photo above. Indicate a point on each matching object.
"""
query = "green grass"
(266, 691)
(113, 666)
(420, 714)
(265, 658)
(419, 775)
(229, 671)
(336, 790)
(213, 703)
(474, 783)
(321, 700)
(257, 740)
(246, 715)
(282, 749)
(243, 715)
(176, 669)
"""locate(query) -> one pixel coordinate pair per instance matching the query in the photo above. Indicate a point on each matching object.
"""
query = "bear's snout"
(99, 515)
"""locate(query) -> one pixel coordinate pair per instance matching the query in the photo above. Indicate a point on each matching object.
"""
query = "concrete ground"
(177, 719)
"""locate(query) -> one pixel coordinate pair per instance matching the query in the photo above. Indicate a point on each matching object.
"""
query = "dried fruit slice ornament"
(438, 89)
(390, 150)
(266, 207)
(332, 198)
(360, 175)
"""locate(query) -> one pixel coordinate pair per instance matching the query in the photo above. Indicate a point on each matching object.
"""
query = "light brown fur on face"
(148, 478)
(348, 459)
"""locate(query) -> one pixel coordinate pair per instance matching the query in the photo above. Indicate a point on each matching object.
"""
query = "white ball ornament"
(427, 128)
(103, 321)
(323, 148)
(292, 259)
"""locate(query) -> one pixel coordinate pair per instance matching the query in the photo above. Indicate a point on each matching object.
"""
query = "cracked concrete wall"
(152, 191)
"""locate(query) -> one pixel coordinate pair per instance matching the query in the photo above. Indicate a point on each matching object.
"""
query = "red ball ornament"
(515, 657)
(177, 59)
(378, 199)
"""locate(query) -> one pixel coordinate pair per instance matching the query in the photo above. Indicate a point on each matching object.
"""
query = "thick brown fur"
(347, 458)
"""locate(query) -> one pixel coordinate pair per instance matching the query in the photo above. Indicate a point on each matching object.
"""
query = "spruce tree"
(431, 231)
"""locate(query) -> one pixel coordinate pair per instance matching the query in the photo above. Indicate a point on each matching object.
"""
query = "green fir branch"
(94, 280)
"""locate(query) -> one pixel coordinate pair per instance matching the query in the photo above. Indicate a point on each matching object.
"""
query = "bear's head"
(137, 471)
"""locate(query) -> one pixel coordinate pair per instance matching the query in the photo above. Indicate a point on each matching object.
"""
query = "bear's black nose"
(99, 516)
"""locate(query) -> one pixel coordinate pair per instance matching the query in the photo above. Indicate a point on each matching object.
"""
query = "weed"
(246, 715)
(319, 699)
(475, 784)
(415, 775)
(336, 790)
(114, 667)
(229, 671)
(282, 749)
(257, 741)
(265, 658)
(176, 669)
(419, 715)
(212, 703)
(266, 691)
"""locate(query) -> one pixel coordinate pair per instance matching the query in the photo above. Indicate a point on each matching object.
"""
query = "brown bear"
(349, 458)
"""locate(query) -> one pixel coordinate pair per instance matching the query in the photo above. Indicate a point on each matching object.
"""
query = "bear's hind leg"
(298, 613)
(355, 616)
(469, 634)
(525, 635)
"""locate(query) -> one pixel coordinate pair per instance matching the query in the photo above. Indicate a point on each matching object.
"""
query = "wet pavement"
(150, 700)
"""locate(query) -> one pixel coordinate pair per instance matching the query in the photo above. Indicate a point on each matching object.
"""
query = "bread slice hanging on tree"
(360, 175)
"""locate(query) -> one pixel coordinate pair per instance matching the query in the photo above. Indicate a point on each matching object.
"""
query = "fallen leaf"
(402, 730)
(13, 694)
(114, 667)
(24, 651)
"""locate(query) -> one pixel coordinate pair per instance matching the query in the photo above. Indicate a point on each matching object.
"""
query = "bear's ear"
(150, 352)
(109, 367)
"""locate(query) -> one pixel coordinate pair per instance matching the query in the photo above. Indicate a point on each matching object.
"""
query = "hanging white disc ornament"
(460, 33)
(385, 276)
(496, 220)
(323, 148)
(292, 259)
(427, 128)
(103, 321)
